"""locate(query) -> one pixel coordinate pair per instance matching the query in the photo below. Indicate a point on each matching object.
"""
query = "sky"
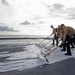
(34, 17)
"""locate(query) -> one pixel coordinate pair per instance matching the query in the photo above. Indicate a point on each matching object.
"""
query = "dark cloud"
(56, 9)
(58, 6)
(29, 23)
(59, 10)
(54, 6)
(4, 2)
(4, 27)
(26, 23)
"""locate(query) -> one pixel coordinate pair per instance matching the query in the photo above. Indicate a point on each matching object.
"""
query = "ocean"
(22, 36)
(21, 52)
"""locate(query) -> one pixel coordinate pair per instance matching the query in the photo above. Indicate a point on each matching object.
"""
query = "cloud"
(70, 13)
(26, 23)
(59, 10)
(58, 6)
(56, 9)
(4, 27)
(71, 16)
(29, 23)
(4, 2)
(40, 22)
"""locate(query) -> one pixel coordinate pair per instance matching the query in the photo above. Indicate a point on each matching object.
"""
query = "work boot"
(63, 50)
(68, 54)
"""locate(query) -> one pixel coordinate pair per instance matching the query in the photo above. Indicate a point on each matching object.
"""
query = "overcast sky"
(34, 17)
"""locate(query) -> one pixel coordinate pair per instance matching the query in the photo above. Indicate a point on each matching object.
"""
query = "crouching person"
(67, 30)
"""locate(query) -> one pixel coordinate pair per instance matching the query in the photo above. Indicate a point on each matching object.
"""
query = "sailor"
(67, 30)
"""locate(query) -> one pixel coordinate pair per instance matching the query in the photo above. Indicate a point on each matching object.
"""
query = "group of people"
(66, 34)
